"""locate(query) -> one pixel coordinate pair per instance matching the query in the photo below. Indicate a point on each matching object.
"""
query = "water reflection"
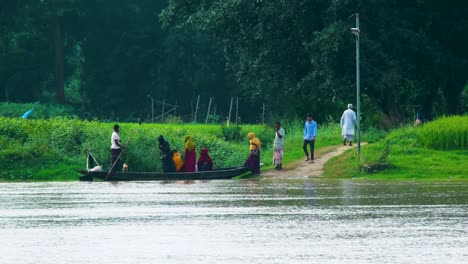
(243, 221)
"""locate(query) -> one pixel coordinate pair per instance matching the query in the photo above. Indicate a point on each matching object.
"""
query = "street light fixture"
(356, 32)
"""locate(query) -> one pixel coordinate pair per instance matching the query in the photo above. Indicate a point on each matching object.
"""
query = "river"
(234, 221)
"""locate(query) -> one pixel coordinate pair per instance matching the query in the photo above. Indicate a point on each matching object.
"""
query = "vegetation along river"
(234, 221)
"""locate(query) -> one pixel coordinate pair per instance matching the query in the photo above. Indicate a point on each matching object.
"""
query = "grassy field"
(411, 155)
(55, 149)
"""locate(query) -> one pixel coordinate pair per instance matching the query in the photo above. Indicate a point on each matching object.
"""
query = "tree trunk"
(59, 83)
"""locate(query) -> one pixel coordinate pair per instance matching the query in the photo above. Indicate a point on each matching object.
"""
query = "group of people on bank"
(172, 161)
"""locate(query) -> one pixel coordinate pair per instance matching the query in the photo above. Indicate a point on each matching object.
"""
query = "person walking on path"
(278, 146)
(310, 132)
(348, 122)
(116, 146)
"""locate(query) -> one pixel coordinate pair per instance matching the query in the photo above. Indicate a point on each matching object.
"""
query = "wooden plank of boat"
(227, 173)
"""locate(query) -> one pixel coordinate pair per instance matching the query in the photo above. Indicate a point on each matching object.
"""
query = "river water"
(234, 221)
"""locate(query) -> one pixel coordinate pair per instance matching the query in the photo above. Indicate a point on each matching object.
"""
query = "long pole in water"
(230, 109)
(358, 89)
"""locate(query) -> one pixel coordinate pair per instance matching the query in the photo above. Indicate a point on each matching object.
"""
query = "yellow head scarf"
(189, 144)
(254, 141)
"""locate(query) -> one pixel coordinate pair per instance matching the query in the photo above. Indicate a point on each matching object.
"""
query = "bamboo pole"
(196, 110)
(230, 109)
(208, 112)
(237, 109)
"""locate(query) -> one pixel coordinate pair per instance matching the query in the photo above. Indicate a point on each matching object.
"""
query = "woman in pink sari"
(190, 155)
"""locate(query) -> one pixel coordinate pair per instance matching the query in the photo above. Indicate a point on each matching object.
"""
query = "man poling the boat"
(116, 139)
(116, 147)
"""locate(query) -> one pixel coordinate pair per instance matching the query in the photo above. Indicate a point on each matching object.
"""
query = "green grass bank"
(55, 149)
(435, 150)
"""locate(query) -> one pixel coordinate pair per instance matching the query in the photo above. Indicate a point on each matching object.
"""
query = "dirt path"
(301, 169)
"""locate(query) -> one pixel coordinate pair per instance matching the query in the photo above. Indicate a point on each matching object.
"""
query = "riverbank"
(55, 149)
(436, 150)
(301, 169)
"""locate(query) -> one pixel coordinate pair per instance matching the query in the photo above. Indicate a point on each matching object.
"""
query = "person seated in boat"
(190, 155)
(253, 161)
(205, 163)
(178, 163)
(166, 155)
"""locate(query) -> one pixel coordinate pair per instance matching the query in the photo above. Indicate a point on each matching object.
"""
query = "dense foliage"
(108, 59)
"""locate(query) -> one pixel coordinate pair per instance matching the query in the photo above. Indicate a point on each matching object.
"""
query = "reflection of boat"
(227, 173)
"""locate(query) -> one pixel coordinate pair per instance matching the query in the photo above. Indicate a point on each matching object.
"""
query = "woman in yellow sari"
(253, 161)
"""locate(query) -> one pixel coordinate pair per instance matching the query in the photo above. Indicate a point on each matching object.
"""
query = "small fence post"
(196, 110)
(230, 109)
(208, 112)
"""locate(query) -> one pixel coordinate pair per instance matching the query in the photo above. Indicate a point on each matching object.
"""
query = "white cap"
(350, 106)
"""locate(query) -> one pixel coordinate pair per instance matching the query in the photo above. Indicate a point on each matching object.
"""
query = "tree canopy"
(108, 59)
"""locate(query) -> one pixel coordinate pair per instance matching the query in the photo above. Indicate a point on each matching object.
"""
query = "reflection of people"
(278, 146)
(310, 132)
(166, 155)
(348, 121)
(205, 163)
(253, 161)
(190, 155)
(116, 146)
(178, 163)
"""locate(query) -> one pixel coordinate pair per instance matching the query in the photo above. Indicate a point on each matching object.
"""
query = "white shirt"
(348, 121)
(279, 141)
(115, 137)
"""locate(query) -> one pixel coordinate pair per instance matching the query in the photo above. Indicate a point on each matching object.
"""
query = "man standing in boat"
(116, 146)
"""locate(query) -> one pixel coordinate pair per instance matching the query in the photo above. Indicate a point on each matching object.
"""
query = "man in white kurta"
(348, 121)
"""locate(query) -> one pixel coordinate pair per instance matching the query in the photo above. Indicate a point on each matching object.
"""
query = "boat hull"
(164, 176)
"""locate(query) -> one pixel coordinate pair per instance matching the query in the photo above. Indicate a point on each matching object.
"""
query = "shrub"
(232, 133)
(446, 133)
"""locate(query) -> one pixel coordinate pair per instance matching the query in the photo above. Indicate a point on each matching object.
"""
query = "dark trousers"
(113, 157)
(312, 146)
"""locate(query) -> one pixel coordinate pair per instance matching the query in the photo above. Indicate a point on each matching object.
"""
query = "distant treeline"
(108, 59)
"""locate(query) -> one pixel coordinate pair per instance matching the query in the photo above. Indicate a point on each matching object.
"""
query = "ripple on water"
(234, 222)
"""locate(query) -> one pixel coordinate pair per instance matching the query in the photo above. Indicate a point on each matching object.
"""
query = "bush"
(232, 133)
(446, 133)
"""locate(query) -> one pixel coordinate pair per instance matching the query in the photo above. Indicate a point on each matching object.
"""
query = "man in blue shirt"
(310, 132)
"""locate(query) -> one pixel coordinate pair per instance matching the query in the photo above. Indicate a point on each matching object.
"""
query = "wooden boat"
(227, 173)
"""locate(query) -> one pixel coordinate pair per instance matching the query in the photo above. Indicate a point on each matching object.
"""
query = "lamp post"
(356, 33)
